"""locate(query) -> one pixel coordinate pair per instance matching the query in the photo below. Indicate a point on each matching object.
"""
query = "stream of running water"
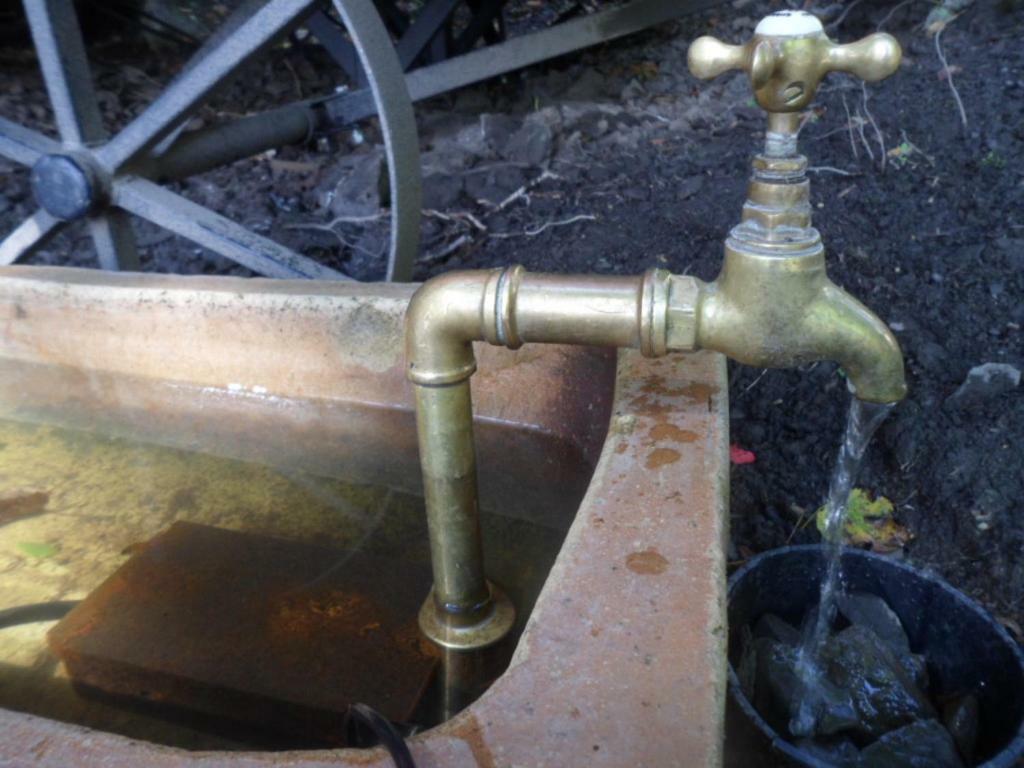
(863, 419)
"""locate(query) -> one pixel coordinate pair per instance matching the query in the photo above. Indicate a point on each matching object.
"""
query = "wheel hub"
(67, 187)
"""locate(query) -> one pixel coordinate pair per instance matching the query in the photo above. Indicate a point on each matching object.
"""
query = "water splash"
(862, 420)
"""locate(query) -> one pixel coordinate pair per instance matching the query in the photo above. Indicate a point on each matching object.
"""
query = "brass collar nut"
(683, 306)
(668, 313)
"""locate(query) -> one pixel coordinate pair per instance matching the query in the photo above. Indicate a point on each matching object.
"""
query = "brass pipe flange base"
(451, 631)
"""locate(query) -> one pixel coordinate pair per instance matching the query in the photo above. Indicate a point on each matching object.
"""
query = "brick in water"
(266, 631)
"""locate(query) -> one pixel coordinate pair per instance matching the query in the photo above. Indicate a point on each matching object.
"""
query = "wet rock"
(884, 695)
(779, 630)
(842, 753)
(984, 382)
(779, 689)
(961, 719)
(924, 744)
(530, 145)
(872, 612)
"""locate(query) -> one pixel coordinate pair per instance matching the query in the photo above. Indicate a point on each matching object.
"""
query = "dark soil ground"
(645, 166)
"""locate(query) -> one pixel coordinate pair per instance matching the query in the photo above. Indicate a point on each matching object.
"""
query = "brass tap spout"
(772, 306)
(781, 312)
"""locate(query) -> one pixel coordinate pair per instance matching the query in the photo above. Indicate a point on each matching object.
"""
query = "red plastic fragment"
(739, 455)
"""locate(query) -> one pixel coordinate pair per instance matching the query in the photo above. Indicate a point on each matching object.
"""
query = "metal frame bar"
(484, 63)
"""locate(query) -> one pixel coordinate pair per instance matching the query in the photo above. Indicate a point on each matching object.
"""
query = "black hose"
(29, 614)
(386, 734)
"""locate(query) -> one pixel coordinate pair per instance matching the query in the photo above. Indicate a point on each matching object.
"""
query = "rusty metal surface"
(262, 630)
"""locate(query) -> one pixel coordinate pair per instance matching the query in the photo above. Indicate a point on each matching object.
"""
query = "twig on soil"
(889, 15)
(753, 384)
(435, 256)
(457, 216)
(861, 122)
(830, 169)
(949, 77)
(524, 190)
(871, 119)
(914, 148)
(330, 228)
(849, 127)
(295, 78)
(842, 16)
(545, 226)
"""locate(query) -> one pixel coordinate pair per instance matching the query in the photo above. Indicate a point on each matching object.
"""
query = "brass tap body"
(772, 306)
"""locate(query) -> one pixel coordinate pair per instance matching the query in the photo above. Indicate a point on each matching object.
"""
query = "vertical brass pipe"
(449, 483)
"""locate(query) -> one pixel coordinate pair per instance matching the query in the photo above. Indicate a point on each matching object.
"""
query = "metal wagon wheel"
(88, 175)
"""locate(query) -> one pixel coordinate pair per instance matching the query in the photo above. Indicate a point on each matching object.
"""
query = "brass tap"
(772, 306)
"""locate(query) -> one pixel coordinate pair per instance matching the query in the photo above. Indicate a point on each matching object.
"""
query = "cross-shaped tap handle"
(788, 56)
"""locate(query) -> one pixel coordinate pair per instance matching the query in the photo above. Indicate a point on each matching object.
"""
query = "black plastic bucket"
(965, 649)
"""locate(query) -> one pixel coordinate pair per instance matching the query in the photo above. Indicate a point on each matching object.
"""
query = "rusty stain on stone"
(471, 733)
(698, 391)
(649, 562)
(659, 457)
(666, 431)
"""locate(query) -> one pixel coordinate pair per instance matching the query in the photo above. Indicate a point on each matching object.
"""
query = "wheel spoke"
(115, 241)
(211, 230)
(430, 20)
(338, 46)
(61, 53)
(194, 85)
(22, 145)
(32, 233)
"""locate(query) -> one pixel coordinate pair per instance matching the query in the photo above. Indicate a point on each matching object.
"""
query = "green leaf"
(868, 521)
(37, 549)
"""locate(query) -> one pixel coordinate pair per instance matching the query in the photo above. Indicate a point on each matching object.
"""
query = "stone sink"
(621, 661)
